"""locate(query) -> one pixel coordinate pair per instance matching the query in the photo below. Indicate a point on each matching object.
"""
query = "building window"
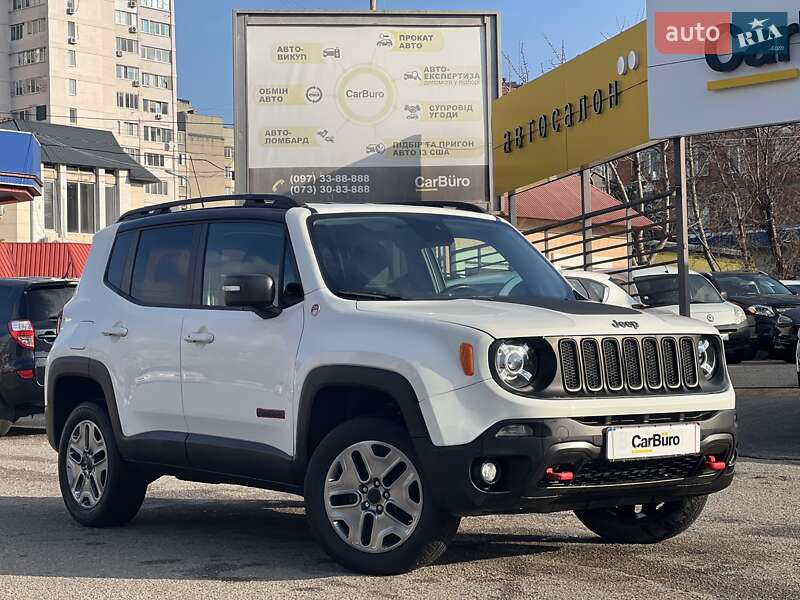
(134, 153)
(126, 45)
(229, 173)
(157, 134)
(154, 160)
(127, 100)
(23, 87)
(160, 188)
(51, 206)
(156, 54)
(73, 116)
(20, 4)
(128, 128)
(156, 81)
(181, 159)
(72, 58)
(157, 4)
(72, 86)
(182, 181)
(156, 28)
(126, 72)
(80, 208)
(228, 151)
(156, 107)
(29, 57)
(112, 206)
(17, 32)
(36, 26)
(72, 30)
(41, 112)
(122, 17)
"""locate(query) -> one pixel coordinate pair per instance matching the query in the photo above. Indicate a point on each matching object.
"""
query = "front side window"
(430, 257)
(237, 248)
(751, 285)
(161, 268)
(662, 290)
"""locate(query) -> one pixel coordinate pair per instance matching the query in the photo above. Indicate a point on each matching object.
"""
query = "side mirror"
(724, 295)
(251, 290)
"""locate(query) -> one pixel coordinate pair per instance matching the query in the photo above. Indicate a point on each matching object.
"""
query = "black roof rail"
(467, 206)
(248, 201)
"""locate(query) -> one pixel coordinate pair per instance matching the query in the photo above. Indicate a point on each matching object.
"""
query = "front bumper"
(564, 441)
(19, 397)
(740, 338)
(786, 338)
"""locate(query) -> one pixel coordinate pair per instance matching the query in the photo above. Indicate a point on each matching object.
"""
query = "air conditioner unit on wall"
(70, 10)
(119, 53)
(132, 29)
(132, 4)
(72, 40)
(168, 146)
(158, 117)
(136, 84)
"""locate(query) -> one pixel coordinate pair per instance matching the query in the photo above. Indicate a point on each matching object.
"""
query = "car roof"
(593, 275)
(659, 270)
(26, 281)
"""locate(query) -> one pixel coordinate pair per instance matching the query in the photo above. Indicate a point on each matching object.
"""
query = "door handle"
(199, 338)
(118, 332)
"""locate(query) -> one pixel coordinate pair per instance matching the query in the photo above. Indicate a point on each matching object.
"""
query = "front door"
(237, 368)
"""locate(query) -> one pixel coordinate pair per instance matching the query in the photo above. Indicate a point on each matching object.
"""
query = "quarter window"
(233, 248)
(161, 270)
(119, 258)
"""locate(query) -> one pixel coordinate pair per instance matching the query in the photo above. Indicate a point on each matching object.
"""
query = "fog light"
(517, 430)
(489, 472)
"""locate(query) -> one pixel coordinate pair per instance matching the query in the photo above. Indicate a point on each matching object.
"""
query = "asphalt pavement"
(203, 541)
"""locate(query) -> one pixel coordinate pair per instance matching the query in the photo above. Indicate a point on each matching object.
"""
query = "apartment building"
(205, 154)
(100, 64)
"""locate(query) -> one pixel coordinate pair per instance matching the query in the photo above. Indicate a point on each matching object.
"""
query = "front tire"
(368, 501)
(5, 427)
(98, 488)
(643, 524)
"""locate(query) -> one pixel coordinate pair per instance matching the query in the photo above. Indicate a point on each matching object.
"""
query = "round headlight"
(707, 358)
(516, 364)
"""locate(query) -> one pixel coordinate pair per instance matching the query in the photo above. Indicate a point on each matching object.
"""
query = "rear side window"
(597, 291)
(44, 304)
(161, 271)
(119, 259)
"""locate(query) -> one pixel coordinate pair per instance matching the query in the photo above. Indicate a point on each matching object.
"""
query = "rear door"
(41, 305)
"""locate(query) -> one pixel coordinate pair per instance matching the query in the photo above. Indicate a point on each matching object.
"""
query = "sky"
(205, 47)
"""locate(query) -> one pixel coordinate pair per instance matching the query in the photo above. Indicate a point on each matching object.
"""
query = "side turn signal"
(467, 355)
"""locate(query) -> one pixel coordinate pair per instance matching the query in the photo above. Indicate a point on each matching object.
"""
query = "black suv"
(761, 296)
(29, 307)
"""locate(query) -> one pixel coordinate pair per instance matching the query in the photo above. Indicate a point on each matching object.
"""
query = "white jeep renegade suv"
(398, 366)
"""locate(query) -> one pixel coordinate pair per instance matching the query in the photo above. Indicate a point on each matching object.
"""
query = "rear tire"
(98, 488)
(351, 456)
(5, 427)
(652, 524)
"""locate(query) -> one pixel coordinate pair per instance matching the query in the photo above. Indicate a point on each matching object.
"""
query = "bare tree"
(697, 224)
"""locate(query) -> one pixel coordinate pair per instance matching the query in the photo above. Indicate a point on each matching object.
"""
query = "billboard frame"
(244, 18)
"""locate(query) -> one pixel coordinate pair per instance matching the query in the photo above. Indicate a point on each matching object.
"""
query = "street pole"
(682, 225)
(373, 4)
(586, 208)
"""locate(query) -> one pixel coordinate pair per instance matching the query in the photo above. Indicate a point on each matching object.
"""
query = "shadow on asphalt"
(242, 540)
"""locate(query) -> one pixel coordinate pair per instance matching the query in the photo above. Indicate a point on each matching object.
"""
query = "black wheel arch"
(370, 379)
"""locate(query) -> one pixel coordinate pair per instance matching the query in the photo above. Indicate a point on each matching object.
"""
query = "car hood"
(769, 300)
(714, 314)
(540, 317)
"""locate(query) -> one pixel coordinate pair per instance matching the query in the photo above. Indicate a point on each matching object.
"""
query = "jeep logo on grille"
(625, 324)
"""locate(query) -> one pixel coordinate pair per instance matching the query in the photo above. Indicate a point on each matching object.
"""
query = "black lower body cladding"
(597, 483)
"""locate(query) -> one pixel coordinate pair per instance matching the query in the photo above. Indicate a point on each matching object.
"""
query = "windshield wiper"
(367, 295)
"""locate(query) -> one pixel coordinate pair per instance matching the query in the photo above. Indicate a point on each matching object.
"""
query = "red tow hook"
(712, 464)
(552, 475)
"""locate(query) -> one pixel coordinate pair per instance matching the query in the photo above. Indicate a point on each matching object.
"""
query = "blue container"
(20, 161)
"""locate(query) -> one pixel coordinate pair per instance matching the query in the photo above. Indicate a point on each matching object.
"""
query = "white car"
(794, 286)
(657, 288)
(379, 361)
(600, 287)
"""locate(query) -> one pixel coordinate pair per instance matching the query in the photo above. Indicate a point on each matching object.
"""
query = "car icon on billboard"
(386, 41)
(376, 148)
(412, 76)
(332, 53)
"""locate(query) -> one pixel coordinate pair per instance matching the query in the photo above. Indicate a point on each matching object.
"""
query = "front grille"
(626, 365)
(646, 419)
(603, 472)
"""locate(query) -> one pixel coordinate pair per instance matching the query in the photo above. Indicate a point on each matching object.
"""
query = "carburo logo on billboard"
(716, 65)
(367, 107)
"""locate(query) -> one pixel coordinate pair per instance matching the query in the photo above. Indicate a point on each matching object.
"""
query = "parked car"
(761, 296)
(786, 328)
(29, 307)
(797, 362)
(600, 287)
(379, 361)
(657, 288)
(792, 286)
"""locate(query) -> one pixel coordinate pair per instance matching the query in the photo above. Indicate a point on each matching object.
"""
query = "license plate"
(652, 441)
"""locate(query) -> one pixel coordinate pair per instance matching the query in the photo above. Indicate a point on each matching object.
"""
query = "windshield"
(751, 285)
(423, 257)
(662, 290)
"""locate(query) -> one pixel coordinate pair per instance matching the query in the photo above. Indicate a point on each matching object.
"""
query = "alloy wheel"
(87, 464)
(373, 496)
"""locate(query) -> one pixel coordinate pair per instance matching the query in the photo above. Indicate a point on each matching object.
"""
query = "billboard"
(716, 65)
(365, 106)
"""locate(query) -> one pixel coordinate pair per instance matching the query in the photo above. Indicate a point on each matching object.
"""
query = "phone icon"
(278, 184)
